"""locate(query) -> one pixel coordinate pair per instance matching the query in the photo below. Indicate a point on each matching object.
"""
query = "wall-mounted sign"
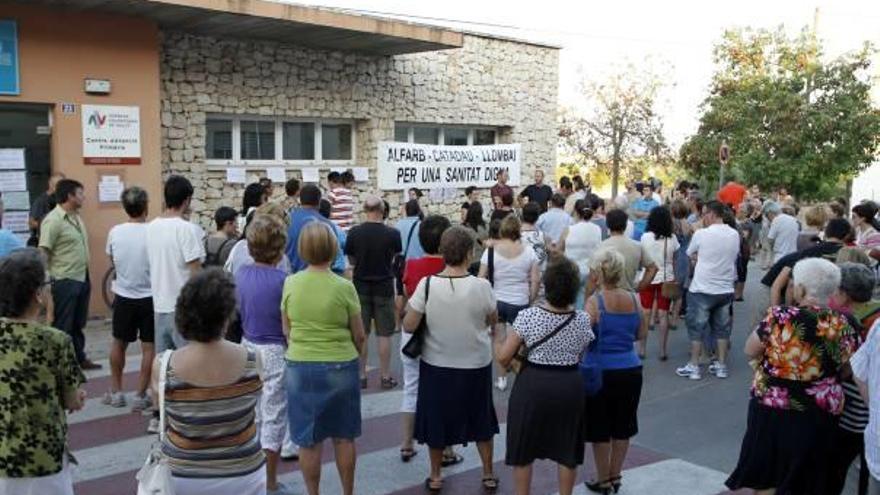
(111, 135)
(9, 80)
(68, 108)
(97, 86)
(405, 165)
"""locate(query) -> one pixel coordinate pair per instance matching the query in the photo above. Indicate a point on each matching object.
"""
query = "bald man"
(371, 248)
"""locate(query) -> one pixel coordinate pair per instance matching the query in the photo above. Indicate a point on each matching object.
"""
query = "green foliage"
(790, 119)
(619, 123)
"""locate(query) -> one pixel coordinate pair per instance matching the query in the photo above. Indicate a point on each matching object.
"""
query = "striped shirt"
(341, 207)
(210, 430)
(855, 412)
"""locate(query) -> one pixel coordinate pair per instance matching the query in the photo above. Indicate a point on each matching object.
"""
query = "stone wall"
(498, 83)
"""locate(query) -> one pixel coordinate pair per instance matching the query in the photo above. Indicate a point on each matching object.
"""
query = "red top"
(419, 268)
(732, 194)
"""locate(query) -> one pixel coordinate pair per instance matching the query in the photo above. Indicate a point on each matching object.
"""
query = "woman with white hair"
(796, 394)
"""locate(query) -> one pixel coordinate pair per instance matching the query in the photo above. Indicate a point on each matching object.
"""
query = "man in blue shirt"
(641, 208)
(310, 199)
(8, 241)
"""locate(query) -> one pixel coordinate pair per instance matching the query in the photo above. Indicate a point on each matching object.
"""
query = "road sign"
(724, 153)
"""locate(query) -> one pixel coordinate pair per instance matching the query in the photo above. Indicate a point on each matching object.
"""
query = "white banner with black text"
(406, 165)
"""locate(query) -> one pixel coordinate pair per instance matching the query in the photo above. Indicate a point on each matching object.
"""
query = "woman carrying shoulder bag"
(545, 414)
(611, 415)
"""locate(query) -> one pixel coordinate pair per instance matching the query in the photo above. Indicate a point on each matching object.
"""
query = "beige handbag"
(669, 290)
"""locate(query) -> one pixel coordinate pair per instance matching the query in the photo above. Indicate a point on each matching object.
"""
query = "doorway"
(25, 135)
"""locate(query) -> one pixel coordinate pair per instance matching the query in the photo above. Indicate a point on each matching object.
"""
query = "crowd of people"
(255, 338)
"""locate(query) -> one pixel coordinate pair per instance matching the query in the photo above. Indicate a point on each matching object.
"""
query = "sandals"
(406, 455)
(616, 482)
(490, 483)
(388, 383)
(451, 459)
(433, 486)
(603, 487)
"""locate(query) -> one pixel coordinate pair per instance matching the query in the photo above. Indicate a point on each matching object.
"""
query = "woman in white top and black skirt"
(454, 404)
(545, 413)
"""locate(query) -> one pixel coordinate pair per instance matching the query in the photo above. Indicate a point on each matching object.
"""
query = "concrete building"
(205, 86)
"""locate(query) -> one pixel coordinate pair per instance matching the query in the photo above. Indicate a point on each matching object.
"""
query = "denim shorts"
(323, 401)
(508, 312)
(708, 316)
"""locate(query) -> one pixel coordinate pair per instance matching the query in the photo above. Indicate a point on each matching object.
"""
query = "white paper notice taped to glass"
(16, 200)
(311, 175)
(361, 174)
(16, 221)
(110, 189)
(13, 181)
(276, 174)
(236, 176)
(12, 159)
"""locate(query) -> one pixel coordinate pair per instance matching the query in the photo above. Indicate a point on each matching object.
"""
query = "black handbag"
(398, 263)
(413, 348)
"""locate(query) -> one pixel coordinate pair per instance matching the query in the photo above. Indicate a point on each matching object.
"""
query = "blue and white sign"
(9, 82)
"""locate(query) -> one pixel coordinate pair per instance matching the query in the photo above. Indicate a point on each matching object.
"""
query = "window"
(257, 140)
(484, 136)
(458, 135)
(219, 139)
(401, 134)
(336, 141)
(426, 135)
(455, 136)
(270, 141)
(299, 140)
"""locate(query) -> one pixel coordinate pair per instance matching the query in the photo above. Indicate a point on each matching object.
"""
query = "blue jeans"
(708, 316)
(166, 334)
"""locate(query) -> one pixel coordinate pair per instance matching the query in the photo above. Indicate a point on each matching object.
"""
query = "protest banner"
(405, 165)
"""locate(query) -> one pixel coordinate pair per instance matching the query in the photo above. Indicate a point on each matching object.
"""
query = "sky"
(674, 37)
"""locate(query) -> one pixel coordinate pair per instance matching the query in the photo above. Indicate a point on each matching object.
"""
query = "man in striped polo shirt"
(341, 199)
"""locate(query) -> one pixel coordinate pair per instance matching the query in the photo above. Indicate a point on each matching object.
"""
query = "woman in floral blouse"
(796, 394)
(39, 379)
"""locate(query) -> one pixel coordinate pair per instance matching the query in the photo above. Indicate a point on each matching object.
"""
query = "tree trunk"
(615, 173)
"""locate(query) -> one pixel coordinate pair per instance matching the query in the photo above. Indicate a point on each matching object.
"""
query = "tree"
(790, 119)
(620, 122)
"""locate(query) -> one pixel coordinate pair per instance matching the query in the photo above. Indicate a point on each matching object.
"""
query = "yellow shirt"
(63, 235)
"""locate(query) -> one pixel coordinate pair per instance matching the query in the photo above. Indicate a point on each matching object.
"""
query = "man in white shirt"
(715, 249)
(784, 230)
(133, 304)
(866, 372)
(554, 221)
(175, 252)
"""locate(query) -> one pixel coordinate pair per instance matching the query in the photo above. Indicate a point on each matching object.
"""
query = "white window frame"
(441, 136)
(279, 160)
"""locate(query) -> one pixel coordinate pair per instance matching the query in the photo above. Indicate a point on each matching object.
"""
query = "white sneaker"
(501, 383)
(113, 399)
(713, 366)
(721, 371)
(289, 451)
(153, 427)
(691, 371)
(141, 403)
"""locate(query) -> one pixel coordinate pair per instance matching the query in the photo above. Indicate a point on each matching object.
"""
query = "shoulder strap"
(491, 266)
(427, 290)
(163, 375)
(409, 237)
(550, 335)
(636, 307)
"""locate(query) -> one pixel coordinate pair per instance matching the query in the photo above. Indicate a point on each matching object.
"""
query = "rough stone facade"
(505, 84)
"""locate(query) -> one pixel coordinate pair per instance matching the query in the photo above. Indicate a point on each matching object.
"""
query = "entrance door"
(24, 126)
